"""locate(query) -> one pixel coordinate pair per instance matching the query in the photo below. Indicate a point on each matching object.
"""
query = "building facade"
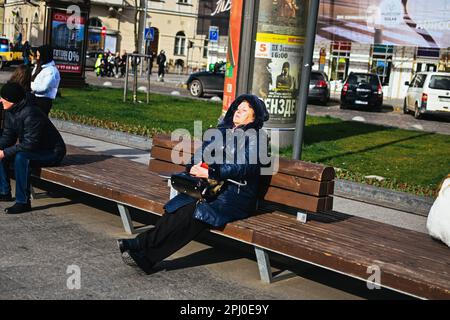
(174, 26)
(393, 38)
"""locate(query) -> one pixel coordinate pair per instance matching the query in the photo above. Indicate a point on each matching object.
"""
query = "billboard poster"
(277, 74)
(234, 39)
(278, 53)
(67, 42)
(422, 23)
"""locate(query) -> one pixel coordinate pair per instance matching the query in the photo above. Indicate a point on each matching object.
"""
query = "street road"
(390, 115)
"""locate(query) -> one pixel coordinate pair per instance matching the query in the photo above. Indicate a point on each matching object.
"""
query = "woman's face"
(38, 55)
(244, 114)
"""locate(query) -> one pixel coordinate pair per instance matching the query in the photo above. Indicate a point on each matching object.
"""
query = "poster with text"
(276, 74)
(67, 42)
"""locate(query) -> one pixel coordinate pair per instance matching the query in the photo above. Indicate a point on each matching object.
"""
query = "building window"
(180, 44)
(183, 1)
(382, 62)
(95, 22)
(205, 49)
(340, 59)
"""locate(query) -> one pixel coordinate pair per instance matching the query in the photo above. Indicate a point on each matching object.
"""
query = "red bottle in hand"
(204, 165)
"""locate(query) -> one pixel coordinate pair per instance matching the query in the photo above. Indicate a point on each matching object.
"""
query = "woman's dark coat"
(234, 202)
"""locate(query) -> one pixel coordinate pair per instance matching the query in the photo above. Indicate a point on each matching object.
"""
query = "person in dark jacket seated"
(186, 217)
(29, 140)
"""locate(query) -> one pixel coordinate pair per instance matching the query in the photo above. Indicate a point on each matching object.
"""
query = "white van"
(428, 93)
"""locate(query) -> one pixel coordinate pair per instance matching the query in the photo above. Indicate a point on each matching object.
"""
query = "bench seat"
(410, 262)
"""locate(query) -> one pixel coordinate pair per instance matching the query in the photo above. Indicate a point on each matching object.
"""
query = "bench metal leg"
(263, 265)
(265, 271)
(128, 223)
(35, 196)
(32, 193)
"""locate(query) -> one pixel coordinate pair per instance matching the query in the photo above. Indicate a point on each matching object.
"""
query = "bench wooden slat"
(165, 154)
(306, 169)
(302, 185)
(164, 167)
(297, 200)
(165, 141)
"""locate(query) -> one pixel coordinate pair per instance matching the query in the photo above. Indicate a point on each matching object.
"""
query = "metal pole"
(246, 51)
(144, 42)
(125, 86)
(148, 80)
(135, 76)
(302, 99)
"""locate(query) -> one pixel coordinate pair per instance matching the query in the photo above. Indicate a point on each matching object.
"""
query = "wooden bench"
(410, 262)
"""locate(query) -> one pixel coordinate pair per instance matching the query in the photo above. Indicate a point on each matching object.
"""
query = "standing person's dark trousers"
(45, 104)
(23, 163)
(172, 232)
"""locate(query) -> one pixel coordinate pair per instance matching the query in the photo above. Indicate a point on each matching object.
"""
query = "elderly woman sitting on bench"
(185, 217)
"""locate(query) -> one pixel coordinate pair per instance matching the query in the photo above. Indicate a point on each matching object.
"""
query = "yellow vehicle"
(8, 55)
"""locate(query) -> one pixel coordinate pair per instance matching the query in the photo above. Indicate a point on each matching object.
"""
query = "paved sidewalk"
(71, 229)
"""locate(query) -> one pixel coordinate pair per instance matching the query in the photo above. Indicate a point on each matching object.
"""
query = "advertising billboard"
(67, 42)
(422, 23)
(278, 53)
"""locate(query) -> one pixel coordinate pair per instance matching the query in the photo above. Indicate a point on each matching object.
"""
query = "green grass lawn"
(411, 161)
(104, 107)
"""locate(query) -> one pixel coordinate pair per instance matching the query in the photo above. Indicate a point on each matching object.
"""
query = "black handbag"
(198, 188)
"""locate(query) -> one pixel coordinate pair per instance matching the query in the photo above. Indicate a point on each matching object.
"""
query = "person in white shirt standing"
(45, 78)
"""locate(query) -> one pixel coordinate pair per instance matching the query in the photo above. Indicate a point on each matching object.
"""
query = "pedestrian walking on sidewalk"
(185, 217)
(26, 53)
(161, 62)
(29, 140)
(45, 79)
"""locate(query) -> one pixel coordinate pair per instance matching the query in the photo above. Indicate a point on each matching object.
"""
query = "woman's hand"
(198, 171)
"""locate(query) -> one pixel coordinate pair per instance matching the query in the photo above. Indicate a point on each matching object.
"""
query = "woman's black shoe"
(18, 208)
(128, 245)
(137, 259)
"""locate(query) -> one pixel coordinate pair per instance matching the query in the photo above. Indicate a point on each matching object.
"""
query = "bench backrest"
(299, 184)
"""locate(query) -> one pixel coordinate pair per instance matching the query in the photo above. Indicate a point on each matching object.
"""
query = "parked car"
(428, 93)
(319, 87)
(203, 82)
(362, 90)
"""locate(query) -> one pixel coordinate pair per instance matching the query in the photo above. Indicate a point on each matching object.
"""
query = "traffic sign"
(213, 34)
(103, 31)
(149, 34)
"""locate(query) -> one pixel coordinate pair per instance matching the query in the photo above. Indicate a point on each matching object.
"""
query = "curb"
(383, 197)
(343, 188)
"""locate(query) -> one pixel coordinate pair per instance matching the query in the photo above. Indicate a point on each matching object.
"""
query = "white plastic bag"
(438, 222)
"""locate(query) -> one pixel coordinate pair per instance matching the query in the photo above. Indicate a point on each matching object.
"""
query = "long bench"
(410, 262)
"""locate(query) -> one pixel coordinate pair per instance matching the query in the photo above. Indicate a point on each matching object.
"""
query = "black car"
(319, 89)
(362, 90)
(203, 82)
